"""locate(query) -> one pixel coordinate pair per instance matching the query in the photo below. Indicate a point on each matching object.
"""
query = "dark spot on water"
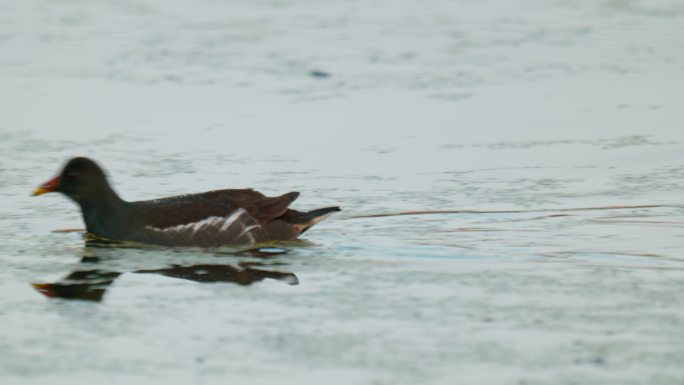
(595, 360)
(319, 74)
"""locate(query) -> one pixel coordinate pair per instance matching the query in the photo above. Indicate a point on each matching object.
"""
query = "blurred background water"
(515, 113)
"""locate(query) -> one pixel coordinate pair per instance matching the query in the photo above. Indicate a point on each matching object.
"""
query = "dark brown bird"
(212, 218)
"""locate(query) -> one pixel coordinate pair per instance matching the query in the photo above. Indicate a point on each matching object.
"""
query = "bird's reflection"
(91, 284)
(244, 274)
(88, 285)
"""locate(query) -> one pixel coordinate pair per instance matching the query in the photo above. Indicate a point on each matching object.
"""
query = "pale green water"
(439, 105)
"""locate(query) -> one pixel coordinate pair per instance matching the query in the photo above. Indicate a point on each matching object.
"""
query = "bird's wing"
(237, 227)
(211, 218)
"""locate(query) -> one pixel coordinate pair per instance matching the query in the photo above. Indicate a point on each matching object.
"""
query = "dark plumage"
(206, 219)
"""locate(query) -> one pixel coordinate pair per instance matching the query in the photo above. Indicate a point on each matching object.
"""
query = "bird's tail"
(304, 221)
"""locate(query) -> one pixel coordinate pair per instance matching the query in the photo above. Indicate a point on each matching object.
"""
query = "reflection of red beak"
(49, 186)
(45, 288)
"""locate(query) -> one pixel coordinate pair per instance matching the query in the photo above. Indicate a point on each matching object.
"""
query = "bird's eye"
(71, 175)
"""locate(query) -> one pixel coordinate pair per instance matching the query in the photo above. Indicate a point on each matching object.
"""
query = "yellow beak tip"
(39, 191)
(45, 288)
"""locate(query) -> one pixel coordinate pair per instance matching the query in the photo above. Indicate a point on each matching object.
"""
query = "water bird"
(213, 218)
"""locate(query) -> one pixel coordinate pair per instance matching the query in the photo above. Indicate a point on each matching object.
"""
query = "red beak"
(49, 186)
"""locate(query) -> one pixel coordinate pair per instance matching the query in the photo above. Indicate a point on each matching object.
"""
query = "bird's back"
(212, 218)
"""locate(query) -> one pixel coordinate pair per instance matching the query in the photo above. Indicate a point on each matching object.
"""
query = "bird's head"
(80, 179)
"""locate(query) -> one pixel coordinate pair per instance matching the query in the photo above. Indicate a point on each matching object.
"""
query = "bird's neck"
(104, 215)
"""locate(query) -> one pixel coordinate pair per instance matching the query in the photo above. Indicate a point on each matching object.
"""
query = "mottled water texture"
(548, 135)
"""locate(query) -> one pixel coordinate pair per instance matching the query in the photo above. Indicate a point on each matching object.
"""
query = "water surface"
(553, 130)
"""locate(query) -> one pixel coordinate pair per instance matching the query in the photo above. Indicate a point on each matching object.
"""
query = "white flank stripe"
(247, 230)
(214, 225)
(229, 221)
